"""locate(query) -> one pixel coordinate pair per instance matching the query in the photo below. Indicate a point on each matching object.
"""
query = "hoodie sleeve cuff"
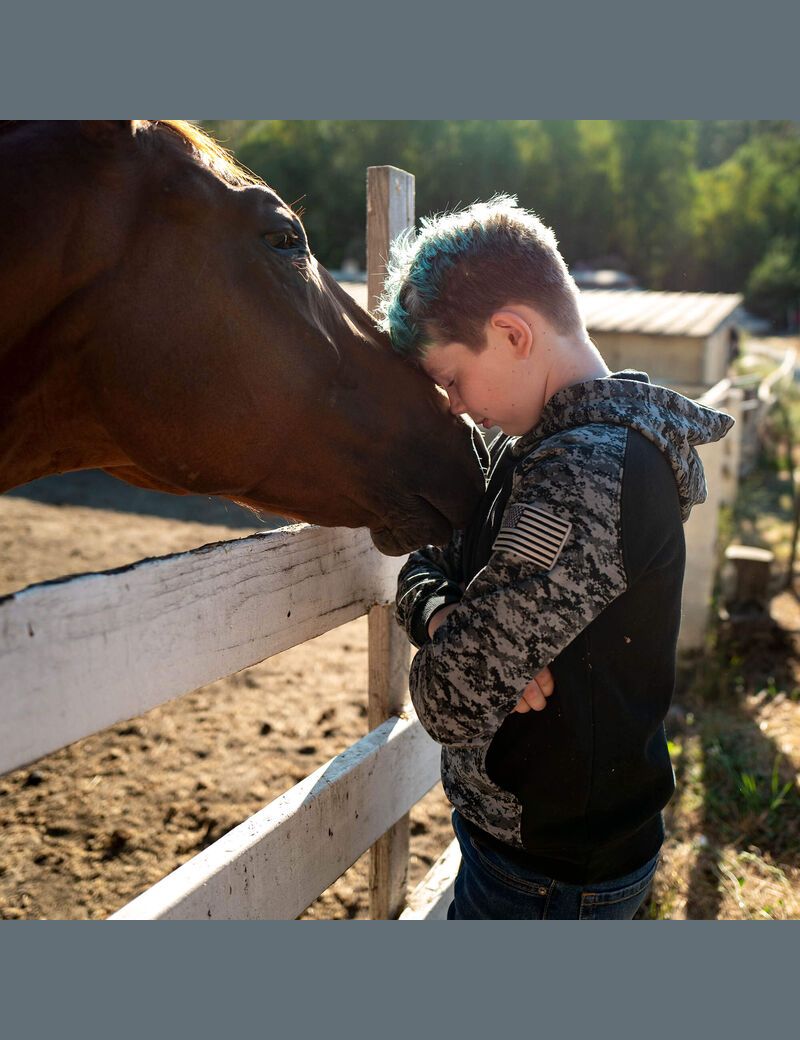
(418, 629)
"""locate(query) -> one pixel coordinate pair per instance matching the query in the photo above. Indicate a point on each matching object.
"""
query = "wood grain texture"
(390, 211)
(432, 896)
(83, 653)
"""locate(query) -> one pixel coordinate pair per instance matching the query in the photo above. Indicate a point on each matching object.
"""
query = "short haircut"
(445, 282)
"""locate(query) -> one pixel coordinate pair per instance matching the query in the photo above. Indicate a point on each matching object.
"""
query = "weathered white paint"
(81, 654)
(721, 463)
(276, 863)
(431, 898)
(701, 530)
(732, 447)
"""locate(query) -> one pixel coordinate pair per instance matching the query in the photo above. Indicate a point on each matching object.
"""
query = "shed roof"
(656, 313)
(603, 278)
(638, 310)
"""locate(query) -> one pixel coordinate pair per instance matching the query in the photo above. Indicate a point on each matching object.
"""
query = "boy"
(575, 556)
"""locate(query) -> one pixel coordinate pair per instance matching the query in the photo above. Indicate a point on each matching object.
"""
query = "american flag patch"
(534, 534)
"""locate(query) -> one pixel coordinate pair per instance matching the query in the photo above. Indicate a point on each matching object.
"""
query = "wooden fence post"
(390, 210)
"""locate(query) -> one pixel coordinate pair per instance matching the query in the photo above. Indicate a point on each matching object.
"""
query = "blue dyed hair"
(444, 283)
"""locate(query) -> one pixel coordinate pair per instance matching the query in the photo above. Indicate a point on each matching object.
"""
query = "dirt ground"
(86, 829)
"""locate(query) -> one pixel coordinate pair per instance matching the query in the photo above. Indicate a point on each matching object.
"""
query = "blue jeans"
(491, 887)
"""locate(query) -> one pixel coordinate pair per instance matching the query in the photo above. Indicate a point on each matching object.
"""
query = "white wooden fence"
(724, 463)
(80, 654)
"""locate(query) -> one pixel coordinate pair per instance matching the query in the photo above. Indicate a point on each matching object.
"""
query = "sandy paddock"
(87, 828)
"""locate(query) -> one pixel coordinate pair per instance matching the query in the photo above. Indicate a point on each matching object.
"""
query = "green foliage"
(742, 789)
(656, 188)
(773, 288)
(746, 204)
(718, 139)
(711, 206)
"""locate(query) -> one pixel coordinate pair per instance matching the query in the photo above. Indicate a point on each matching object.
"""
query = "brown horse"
(162, 318)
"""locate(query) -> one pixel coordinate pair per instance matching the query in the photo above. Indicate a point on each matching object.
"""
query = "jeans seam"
(529, 888)
(547, 901)
(620, 895)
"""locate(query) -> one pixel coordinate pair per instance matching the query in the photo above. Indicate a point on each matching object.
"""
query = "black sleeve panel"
(652, 532)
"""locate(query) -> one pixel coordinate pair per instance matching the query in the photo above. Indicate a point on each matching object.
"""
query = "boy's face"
(494, 386)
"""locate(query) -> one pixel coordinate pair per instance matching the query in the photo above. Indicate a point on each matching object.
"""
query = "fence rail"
(83, 653)
(724, 463)
(278, 861)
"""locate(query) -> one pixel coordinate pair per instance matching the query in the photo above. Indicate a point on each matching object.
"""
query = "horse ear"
(106, 131)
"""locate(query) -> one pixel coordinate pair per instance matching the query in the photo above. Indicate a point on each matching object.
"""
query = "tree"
(773, 288)
(651, 193)
(744, 205)
(655, 187)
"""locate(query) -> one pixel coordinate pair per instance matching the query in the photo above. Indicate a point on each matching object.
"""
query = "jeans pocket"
(619, 901)
(507, 872)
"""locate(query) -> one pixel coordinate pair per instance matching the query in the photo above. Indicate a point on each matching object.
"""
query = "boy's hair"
(444, 283)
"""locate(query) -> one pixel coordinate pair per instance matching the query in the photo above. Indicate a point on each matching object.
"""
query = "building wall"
(716, 355)
(670, 360)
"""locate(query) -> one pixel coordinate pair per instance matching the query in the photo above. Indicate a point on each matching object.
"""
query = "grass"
(733, 826)
(736, 811)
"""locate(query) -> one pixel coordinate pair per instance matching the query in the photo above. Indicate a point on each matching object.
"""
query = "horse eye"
(282, 240)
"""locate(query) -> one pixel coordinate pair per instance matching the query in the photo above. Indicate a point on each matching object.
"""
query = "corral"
(83, 654)
(161, 628)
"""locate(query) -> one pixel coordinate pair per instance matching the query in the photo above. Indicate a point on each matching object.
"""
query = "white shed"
(681, 339)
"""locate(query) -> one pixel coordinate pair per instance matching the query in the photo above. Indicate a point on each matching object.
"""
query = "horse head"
(167, 321)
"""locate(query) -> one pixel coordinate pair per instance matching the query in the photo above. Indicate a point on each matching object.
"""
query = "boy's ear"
(515, 330)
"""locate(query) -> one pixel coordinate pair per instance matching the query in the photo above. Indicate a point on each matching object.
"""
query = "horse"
(164, 319)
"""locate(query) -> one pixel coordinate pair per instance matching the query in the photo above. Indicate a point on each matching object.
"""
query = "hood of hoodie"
(674, 423)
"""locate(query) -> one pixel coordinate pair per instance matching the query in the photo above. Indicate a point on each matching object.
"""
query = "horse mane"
(205, 149)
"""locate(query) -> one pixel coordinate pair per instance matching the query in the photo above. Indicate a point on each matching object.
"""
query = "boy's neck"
(575, 360)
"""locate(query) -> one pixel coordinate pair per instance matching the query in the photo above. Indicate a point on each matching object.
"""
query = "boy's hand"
(534, 696)
(440, 617)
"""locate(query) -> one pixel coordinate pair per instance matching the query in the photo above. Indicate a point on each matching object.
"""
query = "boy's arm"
(532, 598)
(434, 578)
(429, 580)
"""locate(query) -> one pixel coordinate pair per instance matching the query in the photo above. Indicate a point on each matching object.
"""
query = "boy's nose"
(456, 404)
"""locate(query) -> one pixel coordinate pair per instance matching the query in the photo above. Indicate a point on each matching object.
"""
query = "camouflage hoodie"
(574, 559)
